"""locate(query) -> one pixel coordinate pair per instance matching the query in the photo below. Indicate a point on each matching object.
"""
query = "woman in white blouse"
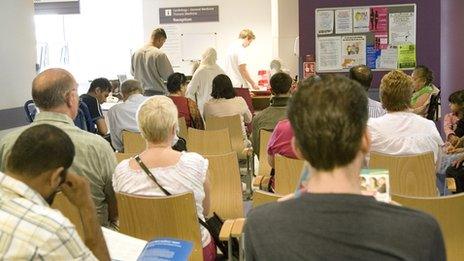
(176, 172)
(199, 88)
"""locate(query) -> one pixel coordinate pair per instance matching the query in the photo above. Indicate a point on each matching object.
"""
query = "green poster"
(406, 56)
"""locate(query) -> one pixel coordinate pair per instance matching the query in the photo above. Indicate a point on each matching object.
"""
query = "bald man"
(54, 92)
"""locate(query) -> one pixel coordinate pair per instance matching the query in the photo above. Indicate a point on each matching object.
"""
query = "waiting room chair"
(261, 197)
(207, 142)
(411, 175)
(133, 142)
(264, 167)
(449, 213)
(183, 131)
(120, 156)
(287, 174)
(68, 210)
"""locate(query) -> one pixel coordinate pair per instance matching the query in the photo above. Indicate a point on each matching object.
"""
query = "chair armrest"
(257, 181)
(226, 229)
(237, 228)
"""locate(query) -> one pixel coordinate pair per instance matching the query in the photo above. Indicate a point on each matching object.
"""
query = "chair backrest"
(264, 167)
(133, 142)
(434, 109)
(261, 197)
(30, 109)
(287, 174)
(68, 210)
(209, 142)
(173, 216)
(120, 156)
(412, 175)
(183, 132)
(226, 186)
(234, 125)
(449, 213)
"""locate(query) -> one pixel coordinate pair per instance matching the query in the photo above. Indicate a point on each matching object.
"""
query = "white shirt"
(201, 84)
(236, 55)
(404, 133)
(122, 117)
(375, 109)
(187, 175)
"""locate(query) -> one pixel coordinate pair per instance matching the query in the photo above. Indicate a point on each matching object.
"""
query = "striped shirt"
(375, 109)
(31, 230)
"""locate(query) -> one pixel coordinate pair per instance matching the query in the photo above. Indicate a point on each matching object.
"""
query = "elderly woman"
(176, 172)
(201, 85)
(422, 78)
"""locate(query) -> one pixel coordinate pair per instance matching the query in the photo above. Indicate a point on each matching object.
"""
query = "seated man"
(98, 92)
(122, 116)
(54, 92)
(29, 229)
(268, 118)
(329, 219)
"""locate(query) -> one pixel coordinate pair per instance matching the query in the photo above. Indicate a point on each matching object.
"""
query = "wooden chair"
(261, 197)
(183, 132)
(152, 217)
(412, 175)
(209, 142)
(68, 210)
(449, 213)
(133, 142)
(264, 167)
(122, 156)
(226, 187)
(287, 174)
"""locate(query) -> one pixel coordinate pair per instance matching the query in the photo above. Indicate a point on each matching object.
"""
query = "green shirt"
(420, 92)
(94, 158)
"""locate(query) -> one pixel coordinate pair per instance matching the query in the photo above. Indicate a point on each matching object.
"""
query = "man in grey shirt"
(151, 66)
(329, 219)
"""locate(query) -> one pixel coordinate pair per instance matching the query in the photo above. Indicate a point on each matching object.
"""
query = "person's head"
(247, 36)
(421, 76)
(130, 87)
(177, 83)
(276, 65)
(209, 57)
(329, 117)
(222, 87)
(361, 74)
(158, 37)
(40, 158)
(56, 90)
(396, 91)
(100, 88)
(157, 119)
(280, 83)
(456, 101)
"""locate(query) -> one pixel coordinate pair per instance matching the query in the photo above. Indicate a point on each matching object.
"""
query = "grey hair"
(51, 88)
(131, 86)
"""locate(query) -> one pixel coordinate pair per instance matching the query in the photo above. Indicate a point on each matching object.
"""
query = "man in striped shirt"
(363, 75)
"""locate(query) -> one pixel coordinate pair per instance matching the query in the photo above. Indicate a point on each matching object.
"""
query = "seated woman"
(176, 172)
(422, 78)
(225, 103)
(187, 108)
(456, 104)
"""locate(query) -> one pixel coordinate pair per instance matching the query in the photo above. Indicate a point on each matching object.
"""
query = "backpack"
(434, 110)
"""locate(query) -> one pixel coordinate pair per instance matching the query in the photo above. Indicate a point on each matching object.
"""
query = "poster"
(406, 56)
(328, 53)
(402, 29)
(361, 20)
(353, 50)
(388, 58)
(381, 40)
(378, 19)
(324, 22)
(372, 56)
(343, 21)
(172, 46)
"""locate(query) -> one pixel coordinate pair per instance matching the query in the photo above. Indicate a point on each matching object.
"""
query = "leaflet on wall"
(324, 22)
(328, 53)
(353, 50)
(343, 21)
(360, 20)
(372, 56)
(378, 19)
(388, 58)
(172, 46)
(402, 28)
(407, 56)
(381, 40)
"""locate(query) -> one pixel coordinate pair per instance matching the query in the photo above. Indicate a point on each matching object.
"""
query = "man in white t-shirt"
(236, 61)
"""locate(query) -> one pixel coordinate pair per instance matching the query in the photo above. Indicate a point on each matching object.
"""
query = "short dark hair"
(281, 83)
(51, 88)
(424, 73)
(102, 83)
(222, 87)
(175, 82)
(329, 117)
(362, 74)
(158, 33)
(457, 97)
(38, 149)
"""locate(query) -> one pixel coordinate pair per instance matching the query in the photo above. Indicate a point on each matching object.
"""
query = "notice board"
(383, 37)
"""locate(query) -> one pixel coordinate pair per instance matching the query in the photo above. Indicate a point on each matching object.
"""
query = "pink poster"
(378, 19)
(381, 40)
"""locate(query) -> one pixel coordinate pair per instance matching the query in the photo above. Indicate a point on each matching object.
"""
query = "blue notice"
(164, 249)
(372, 54)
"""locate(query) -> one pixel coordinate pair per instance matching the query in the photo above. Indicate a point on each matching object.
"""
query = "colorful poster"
(406, 56)
(361, 20)
(388, 58)
(402, 29)
(378, 19)
(324, 22)
(353, 50)
(381, 40)
(328, 53)
(372, 55)
(376, 182)
(343, 21)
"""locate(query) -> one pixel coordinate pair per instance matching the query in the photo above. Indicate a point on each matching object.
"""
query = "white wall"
(17, 52)
(233, 17)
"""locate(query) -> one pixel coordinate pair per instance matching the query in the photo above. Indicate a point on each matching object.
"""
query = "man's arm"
(164, 66)
(244, 73)
(101, 126)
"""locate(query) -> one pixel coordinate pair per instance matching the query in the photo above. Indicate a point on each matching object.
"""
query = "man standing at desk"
(151, 66)
(236, 61)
